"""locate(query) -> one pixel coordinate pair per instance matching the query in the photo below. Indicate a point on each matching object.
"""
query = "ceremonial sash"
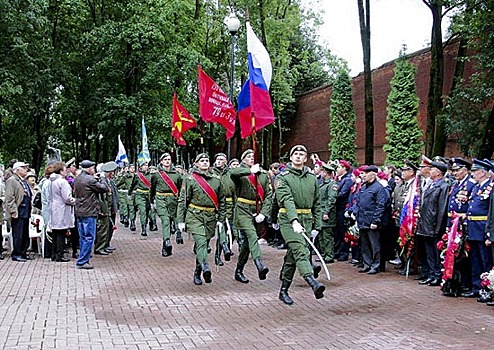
(169, 182)
(256, 184)
(207, 189)
(144, 180)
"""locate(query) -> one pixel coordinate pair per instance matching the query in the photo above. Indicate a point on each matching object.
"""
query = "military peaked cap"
(481, 164)
(457, 163)
(300, 148)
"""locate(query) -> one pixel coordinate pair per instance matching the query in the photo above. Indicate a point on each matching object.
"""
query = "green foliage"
(403, 133)
(469, 110)
(342, 119)
(77, 73)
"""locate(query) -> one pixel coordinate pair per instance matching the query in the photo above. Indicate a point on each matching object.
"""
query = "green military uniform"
(198, 212)
(297, 193)
(103, 221)
(123, 181)
(166, 203)
(328, 191)
(141, 198)
(229, 192)
(245, 210)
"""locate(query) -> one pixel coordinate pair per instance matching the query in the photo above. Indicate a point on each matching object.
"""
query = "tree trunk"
(364, 18)
(435, 142)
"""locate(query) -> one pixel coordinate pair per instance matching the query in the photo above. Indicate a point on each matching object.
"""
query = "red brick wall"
(311, 123)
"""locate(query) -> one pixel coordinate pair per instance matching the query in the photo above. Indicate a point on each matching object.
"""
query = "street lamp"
(233, 24)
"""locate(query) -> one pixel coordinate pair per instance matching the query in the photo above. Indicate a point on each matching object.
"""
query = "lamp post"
(233, 24)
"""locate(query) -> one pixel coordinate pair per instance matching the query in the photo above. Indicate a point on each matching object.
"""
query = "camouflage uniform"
(141, 199)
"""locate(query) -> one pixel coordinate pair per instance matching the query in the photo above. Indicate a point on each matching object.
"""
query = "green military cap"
(300, 148)
(246, 153)
(108, 167)
(328, 167)
(200, 156)
(220, 155)
(166, 154)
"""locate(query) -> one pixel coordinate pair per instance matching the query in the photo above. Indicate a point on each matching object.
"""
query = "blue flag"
(121, 158)
(144, 156)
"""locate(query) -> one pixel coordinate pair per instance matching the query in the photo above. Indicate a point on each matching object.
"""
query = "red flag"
(181, 121)
(214, 104)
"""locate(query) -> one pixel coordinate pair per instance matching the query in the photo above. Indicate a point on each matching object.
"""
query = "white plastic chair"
(7, 236)
(37, 230)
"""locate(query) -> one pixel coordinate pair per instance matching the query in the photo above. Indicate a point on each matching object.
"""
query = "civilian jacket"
(371, 204)
(61, 203)
(344, 189)
(86, 190)
(433, 212)
(15, 201)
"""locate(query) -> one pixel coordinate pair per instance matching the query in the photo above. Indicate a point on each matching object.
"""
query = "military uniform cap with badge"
(457, 163)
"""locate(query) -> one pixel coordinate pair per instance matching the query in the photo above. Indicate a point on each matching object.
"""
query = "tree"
(342, 119)
(469, 110)
(364, 18)
(403, 132)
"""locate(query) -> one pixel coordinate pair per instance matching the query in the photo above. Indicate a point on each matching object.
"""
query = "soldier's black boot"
(197, 275)
(284, 297)
(126, 221)
(239, 274)
(144, 232)
(226, 251)
(261, 269)
(217, 259)
(317, 287)
(206, 272)
(168, 247)
(133, 226)
(152, 226)
(179, 238)
(316, 269)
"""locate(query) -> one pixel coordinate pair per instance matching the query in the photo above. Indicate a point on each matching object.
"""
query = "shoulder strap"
(207, 189)
(169, 182)
(144, 180)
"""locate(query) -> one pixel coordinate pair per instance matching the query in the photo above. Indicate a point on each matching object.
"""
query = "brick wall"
(311, 123)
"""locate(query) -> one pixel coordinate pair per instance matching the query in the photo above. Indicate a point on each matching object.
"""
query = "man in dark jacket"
(371, 203)
(345, 183)
(431, 224)
(86, 190)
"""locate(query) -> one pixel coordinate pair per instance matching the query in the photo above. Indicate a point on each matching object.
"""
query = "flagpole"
(254, 149)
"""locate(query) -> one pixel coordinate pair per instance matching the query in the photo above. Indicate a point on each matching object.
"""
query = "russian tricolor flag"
(254, 103)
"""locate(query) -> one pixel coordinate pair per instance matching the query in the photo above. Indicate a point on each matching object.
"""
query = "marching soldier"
(201, 208)
(478, 209)
(328, 190)
(141, 183)
(297, 193)
(131, 197)
(253, 205)
(123, 180)
(165, 185)
(152, 207)
(221, 169)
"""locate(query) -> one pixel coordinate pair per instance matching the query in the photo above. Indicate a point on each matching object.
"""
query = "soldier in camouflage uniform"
(141, 183)
(123, 180)
(253, 205)
(201, 208)
(328, 191)
(165, 186)
(297, 193)
(103, 220)
(221, 169)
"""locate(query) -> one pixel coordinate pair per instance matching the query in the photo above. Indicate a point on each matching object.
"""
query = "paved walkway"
(136, 299)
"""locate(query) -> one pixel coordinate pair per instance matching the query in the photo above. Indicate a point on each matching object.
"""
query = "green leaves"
(403, 134)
